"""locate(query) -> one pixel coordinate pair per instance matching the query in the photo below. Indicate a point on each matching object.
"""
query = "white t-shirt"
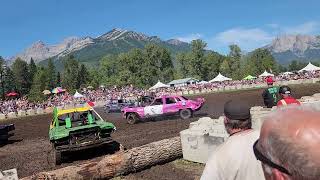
(234, 159)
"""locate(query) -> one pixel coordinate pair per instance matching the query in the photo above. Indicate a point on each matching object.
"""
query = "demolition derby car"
(6, 133)
(78, 129)
(165, 105)
(116, 105)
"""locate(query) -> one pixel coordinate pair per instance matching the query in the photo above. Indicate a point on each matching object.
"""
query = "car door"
(155, 109)
(170, 105)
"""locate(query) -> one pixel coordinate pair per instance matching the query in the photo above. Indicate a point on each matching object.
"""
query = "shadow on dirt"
(171, 117)
(69, 157)
(2, 144)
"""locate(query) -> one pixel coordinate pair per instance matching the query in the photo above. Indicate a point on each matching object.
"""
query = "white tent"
(77, 95)
(287, 73)
(159, 85)
(220, 78)
(310, 67)
(265, 74)
(203, 82)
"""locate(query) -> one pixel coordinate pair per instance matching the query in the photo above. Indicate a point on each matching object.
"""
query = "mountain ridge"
(113, 42)
(299, 47)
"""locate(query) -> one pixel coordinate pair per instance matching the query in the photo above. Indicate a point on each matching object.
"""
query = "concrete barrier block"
(48, 110)
(10, 174)
(40, 111)
(186, 92)
(31, 112)
(191, 92)
(2, 116)
(196, 92)
(202, 137)
(307, 99)
(197, 146)
(317, 95)
(22, 113)
(11, 115)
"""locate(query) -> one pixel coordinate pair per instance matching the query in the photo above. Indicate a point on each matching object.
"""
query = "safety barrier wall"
(248, 86)
(203, 136)
(38, 111)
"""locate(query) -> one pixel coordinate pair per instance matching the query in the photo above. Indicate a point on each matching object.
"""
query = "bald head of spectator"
(289, 144)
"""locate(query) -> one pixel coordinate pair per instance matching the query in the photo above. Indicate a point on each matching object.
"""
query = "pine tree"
(58, 79)
(234, 61)
(70, 73)
(83, 76)
(38, 85)
(21, 76)
(197, 58)
(51, 75)
(32, 68)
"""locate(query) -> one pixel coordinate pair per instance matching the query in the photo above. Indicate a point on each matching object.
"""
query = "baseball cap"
(237, 110)
(284, 90)
(269, 80)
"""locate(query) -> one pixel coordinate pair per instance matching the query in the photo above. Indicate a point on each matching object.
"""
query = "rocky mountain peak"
(295, 43)
(38, 44)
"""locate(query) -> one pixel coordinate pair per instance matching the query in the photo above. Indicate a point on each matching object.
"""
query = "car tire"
(58, 157)
(132, 118)
(185, 113)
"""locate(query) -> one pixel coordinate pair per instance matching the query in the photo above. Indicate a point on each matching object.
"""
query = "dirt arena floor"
(30, 151)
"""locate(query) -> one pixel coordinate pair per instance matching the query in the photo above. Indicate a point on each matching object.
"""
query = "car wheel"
(185, 113)
(58, 157)
(132, 118)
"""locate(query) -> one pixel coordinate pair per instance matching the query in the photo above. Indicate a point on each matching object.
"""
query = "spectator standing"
(285, 93)
(234, 159)
(270, 95)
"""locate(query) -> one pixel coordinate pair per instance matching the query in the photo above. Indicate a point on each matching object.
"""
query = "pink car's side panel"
(169, 108)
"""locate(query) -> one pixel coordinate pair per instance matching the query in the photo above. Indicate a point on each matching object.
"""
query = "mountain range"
(303, 48)
(90, 50)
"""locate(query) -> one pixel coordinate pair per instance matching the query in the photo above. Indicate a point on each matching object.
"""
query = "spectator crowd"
(130, 92)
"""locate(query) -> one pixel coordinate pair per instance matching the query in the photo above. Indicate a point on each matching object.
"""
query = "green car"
(78, 129)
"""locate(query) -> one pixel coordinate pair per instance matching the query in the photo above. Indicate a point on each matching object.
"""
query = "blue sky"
(249, 23)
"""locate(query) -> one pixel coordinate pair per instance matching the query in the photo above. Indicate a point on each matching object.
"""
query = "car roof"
(165, 96)
(72, 110)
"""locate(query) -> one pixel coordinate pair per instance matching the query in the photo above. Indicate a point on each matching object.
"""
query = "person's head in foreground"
(289, 144)
(237, 116)
(285, 91)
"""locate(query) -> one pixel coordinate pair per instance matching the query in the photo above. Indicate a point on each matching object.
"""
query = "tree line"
(139, 67)
(31, 80)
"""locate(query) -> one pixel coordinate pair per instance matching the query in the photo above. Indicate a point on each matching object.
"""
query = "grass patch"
(188, 165)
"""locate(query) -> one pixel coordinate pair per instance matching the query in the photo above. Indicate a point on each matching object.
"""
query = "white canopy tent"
(288, 73)
(78, 95)
(310, 67)
(220, 78)
(159, 85)
(265, 74)
(203, 82)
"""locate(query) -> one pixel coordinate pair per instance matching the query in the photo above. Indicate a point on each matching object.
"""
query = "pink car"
(165, 105)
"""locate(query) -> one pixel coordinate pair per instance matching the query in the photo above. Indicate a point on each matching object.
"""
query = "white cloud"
(190, 37)
(310, 27)
(247, 39)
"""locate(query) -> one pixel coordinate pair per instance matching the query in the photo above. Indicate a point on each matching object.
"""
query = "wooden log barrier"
(121, 163)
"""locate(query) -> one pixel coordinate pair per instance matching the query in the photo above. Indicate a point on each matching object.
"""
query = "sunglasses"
(267, 161)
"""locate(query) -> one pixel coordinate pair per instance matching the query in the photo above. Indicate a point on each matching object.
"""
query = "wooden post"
(121, 163)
